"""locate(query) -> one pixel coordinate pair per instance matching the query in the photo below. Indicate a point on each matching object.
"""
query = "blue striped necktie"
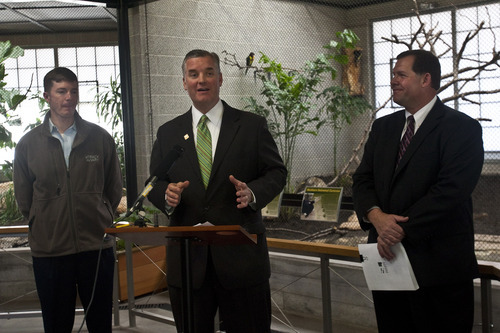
(204, 149)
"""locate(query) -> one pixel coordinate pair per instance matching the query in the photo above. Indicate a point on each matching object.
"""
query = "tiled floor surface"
(25, 322)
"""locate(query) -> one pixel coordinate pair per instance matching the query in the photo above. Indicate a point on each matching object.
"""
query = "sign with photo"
(321, 204)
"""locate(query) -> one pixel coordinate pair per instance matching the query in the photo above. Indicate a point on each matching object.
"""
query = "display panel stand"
(186, 236)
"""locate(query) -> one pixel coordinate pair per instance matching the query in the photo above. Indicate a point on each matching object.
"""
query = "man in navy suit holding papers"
(413, 186)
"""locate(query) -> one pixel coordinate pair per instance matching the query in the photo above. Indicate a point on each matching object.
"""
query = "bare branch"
(356, 151)
(468, 93)
(471, 35)
(230, 59)
(493, 61)
(395, 39)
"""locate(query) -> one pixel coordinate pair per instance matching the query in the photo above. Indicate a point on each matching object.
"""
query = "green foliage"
(150, 212)
(348, 40)
(9, 212)
(8, 51)
(288, 99)
(109, 108)
(109, 103)
(296, 102)
(8, 170)
(9, 98)
(339, 109)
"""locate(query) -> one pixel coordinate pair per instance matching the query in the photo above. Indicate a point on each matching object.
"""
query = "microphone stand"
(141, 221)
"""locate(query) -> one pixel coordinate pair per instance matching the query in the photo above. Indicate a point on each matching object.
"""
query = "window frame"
(381, 89)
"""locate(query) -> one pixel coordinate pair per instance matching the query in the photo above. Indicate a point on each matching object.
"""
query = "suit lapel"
(429, 124)
(229, 128)
(391, 144)
(190, 153)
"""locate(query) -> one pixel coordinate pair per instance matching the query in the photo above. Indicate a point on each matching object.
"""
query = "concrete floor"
(28, 322)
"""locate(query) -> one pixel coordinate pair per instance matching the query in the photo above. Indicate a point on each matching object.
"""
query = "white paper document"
(204, 224)
(382, 274)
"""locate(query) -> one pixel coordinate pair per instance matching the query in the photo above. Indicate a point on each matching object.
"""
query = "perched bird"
(250, 58)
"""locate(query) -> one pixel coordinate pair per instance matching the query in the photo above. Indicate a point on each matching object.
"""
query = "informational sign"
(321, 203)
(273, 208)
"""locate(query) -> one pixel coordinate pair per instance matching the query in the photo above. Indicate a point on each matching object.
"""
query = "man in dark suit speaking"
(414, 185)
(229, 171)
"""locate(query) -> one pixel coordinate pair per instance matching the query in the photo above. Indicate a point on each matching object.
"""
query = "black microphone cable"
(97, 269)
(164, 167)
(95, 283)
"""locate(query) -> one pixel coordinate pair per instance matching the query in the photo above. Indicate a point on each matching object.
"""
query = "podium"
(186, 237)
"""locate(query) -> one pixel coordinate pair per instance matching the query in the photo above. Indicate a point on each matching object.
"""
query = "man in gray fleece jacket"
(67, 182)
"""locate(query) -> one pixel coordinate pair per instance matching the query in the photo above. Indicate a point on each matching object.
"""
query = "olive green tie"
(204, 149)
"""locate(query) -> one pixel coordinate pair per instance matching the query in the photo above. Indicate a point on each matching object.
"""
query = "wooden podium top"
(216, 235)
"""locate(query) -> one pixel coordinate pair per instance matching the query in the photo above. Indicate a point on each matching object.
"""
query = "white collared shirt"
(66, 138)
(419, 116)
(215, 119)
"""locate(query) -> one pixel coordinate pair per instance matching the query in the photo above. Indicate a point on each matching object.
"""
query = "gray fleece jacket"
(67, 208)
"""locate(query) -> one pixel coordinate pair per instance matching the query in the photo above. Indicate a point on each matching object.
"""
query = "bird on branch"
(249, 61)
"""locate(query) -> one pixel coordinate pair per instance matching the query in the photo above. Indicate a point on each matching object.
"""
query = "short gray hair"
(197, 53)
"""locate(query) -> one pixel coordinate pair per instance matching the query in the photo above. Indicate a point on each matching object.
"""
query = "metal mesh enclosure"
(465, 36)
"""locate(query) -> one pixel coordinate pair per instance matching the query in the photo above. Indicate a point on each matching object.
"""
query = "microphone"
(159, 173)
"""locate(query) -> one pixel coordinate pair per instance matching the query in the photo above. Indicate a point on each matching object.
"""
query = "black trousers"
(246, 310)
(58, 279)
(439, 309)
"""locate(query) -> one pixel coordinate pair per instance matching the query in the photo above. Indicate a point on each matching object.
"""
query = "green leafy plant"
(338, 110)
(296, 102)
(109, 108)
(43, 107)
(9, 212)
(288, 101)
(9, 98)
(9, 101)
(109, 103)
(151, 213)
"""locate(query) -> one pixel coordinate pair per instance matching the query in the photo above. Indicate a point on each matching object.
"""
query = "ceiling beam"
(111, 15)
(26, 17)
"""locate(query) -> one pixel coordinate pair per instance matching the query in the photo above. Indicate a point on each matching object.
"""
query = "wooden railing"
(325, 252)
(488, 270)
(14, 231)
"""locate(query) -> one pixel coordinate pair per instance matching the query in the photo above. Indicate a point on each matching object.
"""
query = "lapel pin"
(186, 136)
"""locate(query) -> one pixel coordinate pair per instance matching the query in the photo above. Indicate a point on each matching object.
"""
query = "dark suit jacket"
(432, 186)
(246, 150)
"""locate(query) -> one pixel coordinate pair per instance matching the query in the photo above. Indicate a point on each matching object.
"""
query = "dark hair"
(200, 54)
(425, 62)
(58, 74)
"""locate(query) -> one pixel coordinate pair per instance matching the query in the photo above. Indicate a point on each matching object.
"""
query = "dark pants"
(246, 310)
(59, 278)
(443, 309)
